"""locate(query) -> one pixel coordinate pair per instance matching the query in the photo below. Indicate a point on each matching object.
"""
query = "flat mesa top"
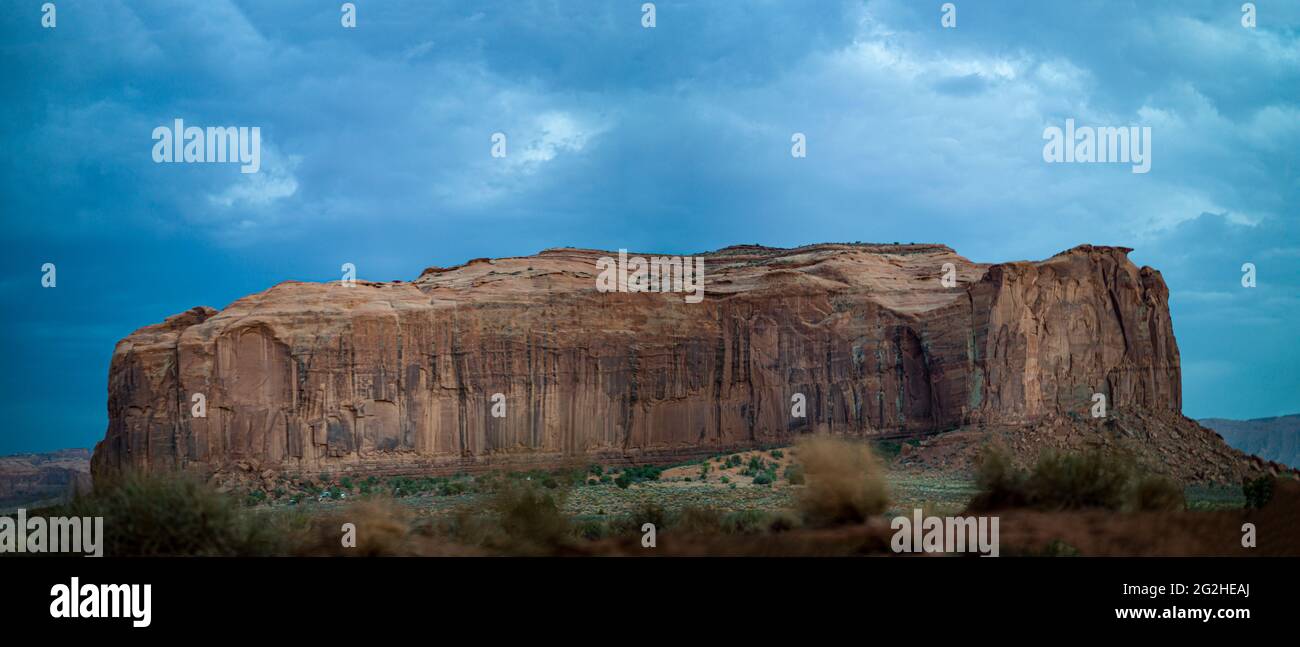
(903, 278)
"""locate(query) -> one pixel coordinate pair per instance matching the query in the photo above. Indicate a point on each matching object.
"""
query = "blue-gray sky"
(375, 151)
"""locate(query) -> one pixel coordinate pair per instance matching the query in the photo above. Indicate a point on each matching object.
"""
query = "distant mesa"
(1275, 439)
(35, 480)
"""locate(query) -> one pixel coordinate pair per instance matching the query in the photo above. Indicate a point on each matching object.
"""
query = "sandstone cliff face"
(399, 377)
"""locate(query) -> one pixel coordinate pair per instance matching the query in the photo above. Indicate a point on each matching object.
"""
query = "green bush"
(638, 474)
(642, 473)
(999, 484)
(1061, 481)
(1074, 481)
(452, 488)
(756, 465)
(1258, 491)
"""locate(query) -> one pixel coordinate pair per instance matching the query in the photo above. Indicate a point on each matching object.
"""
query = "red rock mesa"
(399, 377)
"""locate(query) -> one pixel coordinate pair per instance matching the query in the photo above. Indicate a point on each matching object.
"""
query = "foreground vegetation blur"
(825, 496)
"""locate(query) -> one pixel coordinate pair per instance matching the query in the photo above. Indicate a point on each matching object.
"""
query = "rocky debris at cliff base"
(1160, 442)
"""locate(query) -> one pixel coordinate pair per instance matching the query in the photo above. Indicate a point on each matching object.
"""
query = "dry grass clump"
(380, 527)
(846, 481)
(530, 519)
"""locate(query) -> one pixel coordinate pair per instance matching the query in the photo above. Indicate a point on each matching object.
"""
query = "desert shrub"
(698, 521)
(776, 453)
(999, 483)
(1064, 481)
(744, 522)
(452, 488)
(650, 513)
(487, 482)
(150, 515)
(888, 449)
(755, 467)
(1092, 479)
(794, 475)
(781, 521)
(754, 522)
(641, 473)
(846, 481)
(383, 528)
(590, 529)
(1258, 491)
(1155, 492)
(530, 515)
(638, 474)
(407, 485)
